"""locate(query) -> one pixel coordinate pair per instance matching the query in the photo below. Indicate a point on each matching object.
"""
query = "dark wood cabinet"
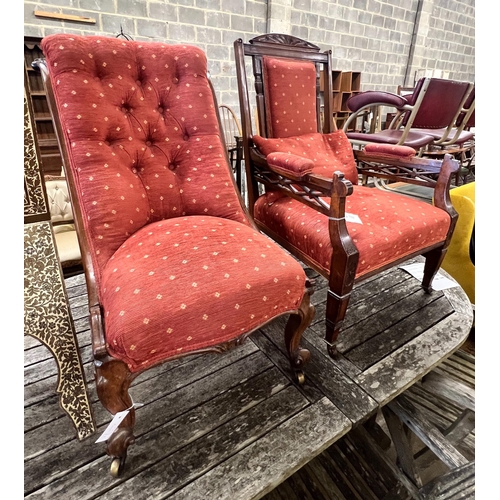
(50, 155)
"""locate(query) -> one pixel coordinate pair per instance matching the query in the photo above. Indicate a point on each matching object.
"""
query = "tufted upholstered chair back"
(59, 201)
(139, 119)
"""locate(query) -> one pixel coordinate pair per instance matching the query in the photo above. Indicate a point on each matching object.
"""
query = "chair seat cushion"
(68, 248)
(464, 136)
(185, 284)
(328, 152)
(393, 226)
(415, 140)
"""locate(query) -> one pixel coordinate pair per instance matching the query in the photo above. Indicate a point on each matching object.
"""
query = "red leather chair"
(173, 263)
(422, 119)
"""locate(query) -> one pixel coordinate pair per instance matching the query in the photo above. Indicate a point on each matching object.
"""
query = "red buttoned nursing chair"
(174, 265)
(303, 182)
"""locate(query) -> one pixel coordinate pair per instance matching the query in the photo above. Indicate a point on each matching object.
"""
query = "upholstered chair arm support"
(370, 98)
(283, 179)
(289, 165)
(363, 101)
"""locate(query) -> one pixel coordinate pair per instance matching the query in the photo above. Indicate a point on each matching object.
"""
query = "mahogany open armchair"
(173, 263)
(302, 178)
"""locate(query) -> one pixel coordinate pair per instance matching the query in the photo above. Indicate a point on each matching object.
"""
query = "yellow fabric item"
(457, 261)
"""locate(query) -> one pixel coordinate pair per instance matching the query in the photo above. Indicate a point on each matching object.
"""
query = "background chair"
(434, 105)
(232, 136)
(460, 258)
(173, 264)
(303, 183)
(61, 215)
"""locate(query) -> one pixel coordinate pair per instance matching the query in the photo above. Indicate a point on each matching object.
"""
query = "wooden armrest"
(414, 170)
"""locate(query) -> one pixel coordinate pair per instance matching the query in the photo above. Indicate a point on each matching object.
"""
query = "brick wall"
(370, 36)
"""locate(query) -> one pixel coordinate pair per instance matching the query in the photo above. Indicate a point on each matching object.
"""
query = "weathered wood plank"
(48, 367)
(364, 468)
(456, 298)
(449, 371)
(281, 360)
(313, 484)
(429, 435)
(299, 487)
(456, 392)
(381, 462)
(364, 291)
(402, 444)
(455, 434)
(258, 468)
(77, 279)
(35, 352)
(236, 366)
(399, 333)
(395, 373)
(163, 427)
(315, 335)
(383, 310)
(334, 471)
(457, 484)
(342, 391)
(325, 482)
(350, 472)
(198, 458)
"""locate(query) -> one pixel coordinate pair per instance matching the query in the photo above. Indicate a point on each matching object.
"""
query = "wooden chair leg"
(336, 307)
(294, 329)
(113, 380)
(433, 261)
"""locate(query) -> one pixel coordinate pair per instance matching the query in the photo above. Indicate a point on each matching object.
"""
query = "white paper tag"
(113, 425)
(353, 218)
(439, 282)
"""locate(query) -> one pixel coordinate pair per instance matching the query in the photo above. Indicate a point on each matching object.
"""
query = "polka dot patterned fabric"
(192, 282)
(392, 226)
(328, 152)
(140, 122)
(290, 90)
(177, 265)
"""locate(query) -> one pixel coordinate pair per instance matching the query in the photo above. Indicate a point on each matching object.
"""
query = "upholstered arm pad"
(375, 97)
(389, 151)
(289, 165)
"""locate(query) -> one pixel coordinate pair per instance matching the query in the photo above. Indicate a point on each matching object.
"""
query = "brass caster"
(116, 466)
(300, 378)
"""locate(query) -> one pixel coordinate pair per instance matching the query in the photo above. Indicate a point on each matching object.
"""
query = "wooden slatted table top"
(236, 425)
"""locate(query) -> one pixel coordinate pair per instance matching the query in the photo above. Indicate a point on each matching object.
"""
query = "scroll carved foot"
(295, 327)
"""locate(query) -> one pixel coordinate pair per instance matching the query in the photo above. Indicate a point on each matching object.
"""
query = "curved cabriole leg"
(295, 327)
(113, 380)
(433, 261)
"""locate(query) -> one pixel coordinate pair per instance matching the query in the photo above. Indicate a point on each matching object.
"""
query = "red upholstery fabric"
(290, 88)
(290, 165)
(328, 152)
(143, 130)
(390, 151)
(178, 266)
(392, 227)
(193, 281)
